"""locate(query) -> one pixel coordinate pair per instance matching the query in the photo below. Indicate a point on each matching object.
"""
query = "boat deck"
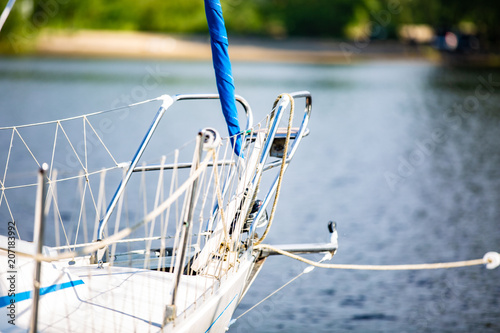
(86, 298)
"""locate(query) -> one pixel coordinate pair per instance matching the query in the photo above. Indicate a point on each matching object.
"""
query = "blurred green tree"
(279, 18)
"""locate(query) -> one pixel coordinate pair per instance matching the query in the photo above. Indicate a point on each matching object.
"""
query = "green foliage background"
(277, 18)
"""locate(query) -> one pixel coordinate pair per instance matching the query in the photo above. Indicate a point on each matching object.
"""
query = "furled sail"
(223, 72)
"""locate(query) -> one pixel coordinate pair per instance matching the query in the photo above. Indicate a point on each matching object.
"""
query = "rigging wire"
(160, 98)
(306, 270)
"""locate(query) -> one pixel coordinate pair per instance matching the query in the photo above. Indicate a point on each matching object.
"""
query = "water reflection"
(404, 156)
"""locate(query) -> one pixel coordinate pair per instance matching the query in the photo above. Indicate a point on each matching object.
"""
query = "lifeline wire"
(127, 231)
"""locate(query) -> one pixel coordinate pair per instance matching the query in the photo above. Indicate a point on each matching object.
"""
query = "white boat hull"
(85, 298)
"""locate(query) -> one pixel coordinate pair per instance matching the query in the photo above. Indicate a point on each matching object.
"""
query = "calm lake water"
(404, 156)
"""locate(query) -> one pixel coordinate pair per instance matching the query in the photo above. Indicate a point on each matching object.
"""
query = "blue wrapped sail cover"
(223, 72)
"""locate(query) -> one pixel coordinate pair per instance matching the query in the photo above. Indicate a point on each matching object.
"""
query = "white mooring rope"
(490, 259)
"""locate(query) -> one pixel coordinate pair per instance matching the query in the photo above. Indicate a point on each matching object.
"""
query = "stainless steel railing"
(167, 102)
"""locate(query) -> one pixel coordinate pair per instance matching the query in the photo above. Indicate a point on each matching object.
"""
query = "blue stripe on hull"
(210, 327)
(19, 297)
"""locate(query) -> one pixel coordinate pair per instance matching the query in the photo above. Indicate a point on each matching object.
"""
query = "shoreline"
(148, 45)
(127, 44)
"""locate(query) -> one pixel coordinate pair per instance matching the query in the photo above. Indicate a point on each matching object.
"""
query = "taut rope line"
(283, 165)
(491, 259)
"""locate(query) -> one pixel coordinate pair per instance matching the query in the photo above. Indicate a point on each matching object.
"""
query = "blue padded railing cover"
(223, 72)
